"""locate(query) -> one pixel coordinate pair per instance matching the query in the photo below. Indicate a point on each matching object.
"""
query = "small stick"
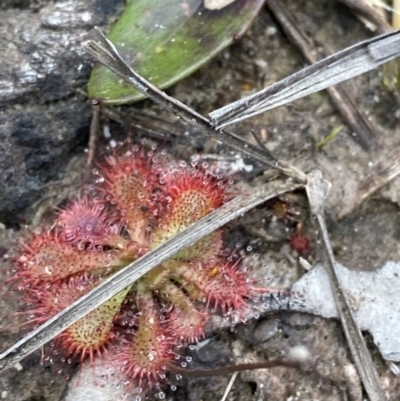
(152, 125)
(396, 14)
(94, 132)
(365, 10)
(229, 386)
(375, 181)
(262, 145)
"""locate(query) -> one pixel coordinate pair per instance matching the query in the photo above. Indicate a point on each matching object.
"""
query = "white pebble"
(18, 366)
(300, 353)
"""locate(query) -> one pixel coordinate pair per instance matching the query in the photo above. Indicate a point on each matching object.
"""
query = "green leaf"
(167, 41)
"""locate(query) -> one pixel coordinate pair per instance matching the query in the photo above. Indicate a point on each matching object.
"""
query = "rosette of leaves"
(136, 204)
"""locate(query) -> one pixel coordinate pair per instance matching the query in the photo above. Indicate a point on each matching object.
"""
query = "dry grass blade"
(362, 358)
(346, 64)
(229, 386)
(116, 283)
(109, 56)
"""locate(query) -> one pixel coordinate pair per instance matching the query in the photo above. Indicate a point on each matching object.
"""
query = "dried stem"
(384, 172)
(317, 191)
(364, 8)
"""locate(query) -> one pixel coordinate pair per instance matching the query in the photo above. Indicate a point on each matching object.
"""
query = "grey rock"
(42, 120)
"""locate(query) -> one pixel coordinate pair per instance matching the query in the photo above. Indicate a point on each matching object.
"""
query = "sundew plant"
(138, 200)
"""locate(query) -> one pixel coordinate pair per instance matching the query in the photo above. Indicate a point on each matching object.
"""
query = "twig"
(110, 58)
(152, 125)
(365, 132)
(120, 280)
(229, 386)
(396, 14)
(386, 172)
(261, 144)
(317, 191)
(94, 133)
(348, 63)
(365, 10)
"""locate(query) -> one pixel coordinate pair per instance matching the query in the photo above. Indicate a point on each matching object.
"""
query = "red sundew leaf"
(144, 357)
(190, 195)
(86, 221)
(89, 335)
(48, 258)
(185, 321)
(220, 284)
(129, 180)
(92, 333)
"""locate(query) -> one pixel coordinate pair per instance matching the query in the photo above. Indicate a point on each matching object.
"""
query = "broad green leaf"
(165, 41)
